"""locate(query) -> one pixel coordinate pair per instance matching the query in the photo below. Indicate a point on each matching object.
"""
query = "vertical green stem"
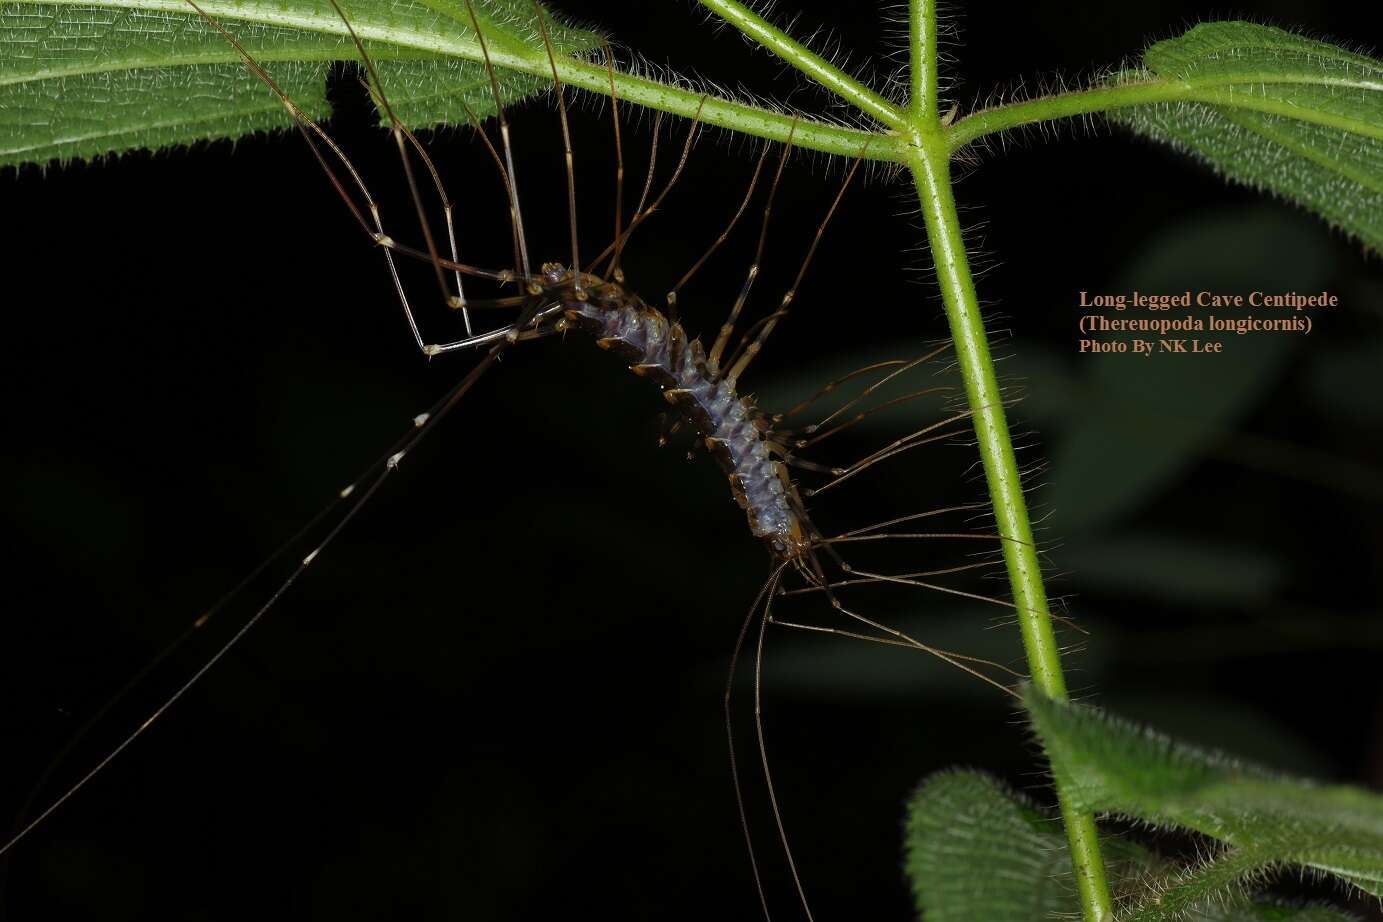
(931, 170)
(929, 159)
(932, 176)
(922, 57)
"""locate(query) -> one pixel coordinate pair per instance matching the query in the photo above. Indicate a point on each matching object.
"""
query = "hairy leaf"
(1106, 765)
(1269, 912)
(1300, 118)
(978, 852)
(81, 80)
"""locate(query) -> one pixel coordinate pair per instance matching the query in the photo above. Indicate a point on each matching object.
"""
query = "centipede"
(759, 450)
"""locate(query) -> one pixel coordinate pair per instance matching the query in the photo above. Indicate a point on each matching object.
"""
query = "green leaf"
(79, 80)
(978, 852)
(975, 851)
(1196, 891)
(1299, 118)
(1273, 912)
(1106, 765)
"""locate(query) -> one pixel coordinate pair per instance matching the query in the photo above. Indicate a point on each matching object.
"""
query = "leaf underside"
(978, 852)
(81, 81)
(1105, 765)
(1299, 118)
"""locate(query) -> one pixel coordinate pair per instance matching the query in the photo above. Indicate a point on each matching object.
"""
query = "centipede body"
(736, 432)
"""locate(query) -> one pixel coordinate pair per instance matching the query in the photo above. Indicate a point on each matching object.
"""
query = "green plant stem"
(929, 159)
(922, 58)
(932, 176)
(930, 162)
(821, 71)
(391, 41)
(1213, 91)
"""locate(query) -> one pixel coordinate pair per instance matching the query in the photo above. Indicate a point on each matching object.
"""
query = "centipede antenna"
(566, 146)
(193, 627)
(713, 360)
(190, 682)
(616, 270)
(720, 240)
(423, 424)
(515, 212)
(730, 737)
(753, 348)
(763, 743)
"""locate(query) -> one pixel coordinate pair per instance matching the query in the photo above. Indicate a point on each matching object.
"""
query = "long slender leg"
(828, 387)
(893, 642)
(899, 366)
(730, 736)
(720, 240)
(642, 214)
(449, 213)
(373, 226)
(566, 146)
(515, 212)
(854, 580)
(752, 348)
(616, 270)
(713, 359)
(938, 653)
(763, 743)
(905, 640)
(923, 436)
(402, 138)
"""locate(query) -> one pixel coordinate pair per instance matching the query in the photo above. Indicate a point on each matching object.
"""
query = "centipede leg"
(730, 736)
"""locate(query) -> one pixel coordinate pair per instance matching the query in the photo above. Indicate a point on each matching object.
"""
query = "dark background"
(498, 695)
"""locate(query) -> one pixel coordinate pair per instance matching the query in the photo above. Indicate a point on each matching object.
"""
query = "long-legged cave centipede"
(757, 449)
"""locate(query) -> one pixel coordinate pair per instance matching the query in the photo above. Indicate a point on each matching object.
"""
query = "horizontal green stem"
(1214, 91)
(389, 41)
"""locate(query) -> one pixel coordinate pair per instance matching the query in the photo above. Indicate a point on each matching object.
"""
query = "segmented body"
(735, 431)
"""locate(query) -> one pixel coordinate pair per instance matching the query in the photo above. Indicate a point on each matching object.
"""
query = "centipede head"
(581, 286)
(795, 544)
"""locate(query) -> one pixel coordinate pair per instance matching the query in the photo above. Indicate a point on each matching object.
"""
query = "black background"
(498, 695)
